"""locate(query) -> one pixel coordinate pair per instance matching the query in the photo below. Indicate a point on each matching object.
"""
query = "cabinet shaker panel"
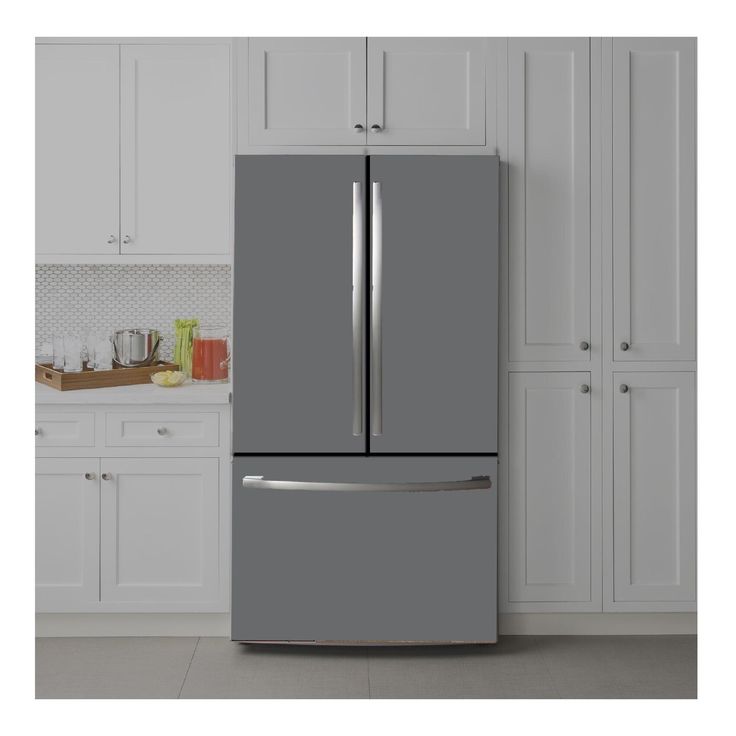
(654, 489)
(654, 199)
(549, 199)
(549, 488)
(306, 91)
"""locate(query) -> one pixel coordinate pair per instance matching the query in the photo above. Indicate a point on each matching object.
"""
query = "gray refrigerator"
(365, 370)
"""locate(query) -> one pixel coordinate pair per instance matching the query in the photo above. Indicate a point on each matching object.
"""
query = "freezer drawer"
(364, 550)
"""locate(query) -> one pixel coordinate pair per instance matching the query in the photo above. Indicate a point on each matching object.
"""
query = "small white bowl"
(168, 379)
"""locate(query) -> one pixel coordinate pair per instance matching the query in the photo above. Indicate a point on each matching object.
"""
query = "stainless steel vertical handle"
(358, 301)
(376, 308)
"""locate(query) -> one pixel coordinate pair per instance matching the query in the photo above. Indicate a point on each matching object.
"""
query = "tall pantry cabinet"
(597, 426)
(649, 379)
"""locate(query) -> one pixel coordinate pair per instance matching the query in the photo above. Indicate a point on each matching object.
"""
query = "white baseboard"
(591, 624)
(132, 624)
(218, 624)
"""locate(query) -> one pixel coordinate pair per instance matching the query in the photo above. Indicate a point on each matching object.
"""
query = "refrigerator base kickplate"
(362, 643)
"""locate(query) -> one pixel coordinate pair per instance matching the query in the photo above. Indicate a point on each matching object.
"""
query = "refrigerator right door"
(434, 304)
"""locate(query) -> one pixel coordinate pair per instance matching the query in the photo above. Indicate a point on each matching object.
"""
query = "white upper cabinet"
(176, 168)
(548, 556)
(426, 91)
(349, 91)
(305, 91)
(77, 169)
(549, 199)
(654, 502)
(654, 198)
(133, 152)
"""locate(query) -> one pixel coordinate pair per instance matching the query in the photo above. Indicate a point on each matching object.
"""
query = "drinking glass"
(102, 352)
(72, 353)
(92, 338)
(57, 340)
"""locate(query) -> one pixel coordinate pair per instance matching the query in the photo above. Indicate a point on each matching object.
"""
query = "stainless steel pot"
(135, 347)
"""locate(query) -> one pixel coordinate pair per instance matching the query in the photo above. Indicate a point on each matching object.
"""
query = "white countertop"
(144, 393)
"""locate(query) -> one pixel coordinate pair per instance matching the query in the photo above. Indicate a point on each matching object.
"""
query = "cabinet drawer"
(65, 430)
(162, 429)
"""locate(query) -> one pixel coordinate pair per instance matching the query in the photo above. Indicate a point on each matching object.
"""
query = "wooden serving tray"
(89, 378)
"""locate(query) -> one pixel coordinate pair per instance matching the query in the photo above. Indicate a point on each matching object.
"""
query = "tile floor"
(516, 667)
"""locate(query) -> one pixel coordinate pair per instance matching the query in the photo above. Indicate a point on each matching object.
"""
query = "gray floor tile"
(510, 669)
(129, 667)
(222, 669)
(622, 666)
(516, 667)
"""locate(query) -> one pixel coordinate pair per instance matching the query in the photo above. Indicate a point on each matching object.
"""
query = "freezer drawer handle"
(476, 483)
(376, 310)
(358, 259)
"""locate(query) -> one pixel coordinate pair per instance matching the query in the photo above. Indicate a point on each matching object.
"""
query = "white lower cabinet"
(654, 501)
(547, 559)
(67, 533)
(138, 526)
(159, 530)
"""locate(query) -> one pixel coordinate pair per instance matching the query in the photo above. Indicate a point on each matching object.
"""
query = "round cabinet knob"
(38, 432)
(107, 476)
(623, 388)
(90, 476)
(585, 389)
(357, 127)
(111, 239)
(625, 346)
(127, 239)
(375, 128)
(584, 345)
(161, 431)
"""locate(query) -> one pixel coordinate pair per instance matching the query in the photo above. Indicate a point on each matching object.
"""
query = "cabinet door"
(654, 490)
(654, 198)
(434, 298)
(426, 91)
(160, 530)
(77, 138)
(305, 91)
(67, 534)
(549, 488)
(176, 167)
(549, 199)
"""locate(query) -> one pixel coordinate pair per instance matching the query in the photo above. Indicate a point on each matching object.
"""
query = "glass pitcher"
(210, 354)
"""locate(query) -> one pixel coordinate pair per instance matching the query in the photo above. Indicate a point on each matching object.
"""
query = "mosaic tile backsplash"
(80, 298)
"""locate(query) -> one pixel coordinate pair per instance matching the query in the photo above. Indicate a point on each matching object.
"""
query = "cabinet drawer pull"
(584, 345)
(375, 128)
(625, 346)
(90, 476)
(107, 476)
(161, 431)
(623, 388)
(585, 389)
(38, 431)
(357, 127)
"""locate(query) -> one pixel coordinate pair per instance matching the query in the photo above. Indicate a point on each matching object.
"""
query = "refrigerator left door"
(299, 316)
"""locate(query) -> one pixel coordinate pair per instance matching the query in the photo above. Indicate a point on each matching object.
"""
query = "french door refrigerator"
(365, 399)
